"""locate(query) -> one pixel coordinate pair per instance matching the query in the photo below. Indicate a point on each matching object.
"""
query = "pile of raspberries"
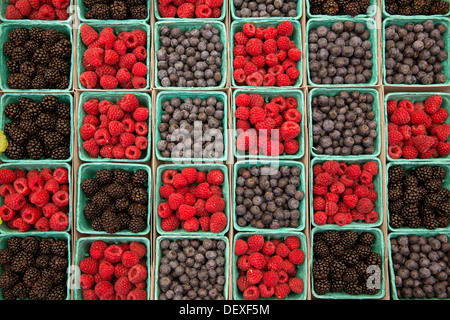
(115, 130)
(269, 267)
(37, 9)
(188, 9)
(343, 193)
(267, 128)
(417, 130)
(112, 61)
(194, 199)
(265, 56)
(35, 199)
(114, 272)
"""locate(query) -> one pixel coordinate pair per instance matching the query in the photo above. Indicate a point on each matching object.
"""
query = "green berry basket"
(375, 108)
(388, 15)
(7, 27)
(200, 167)
(395, 235)
(55, 235)
(221, 18)
(88, 170)
(299, 9)
(144, 99)
(371, 11)
(83, 245)
(269, 94)
(81, 12)
(191, 237)
(302, 208)
(414, 97)
(370, 25)
(8, 98)
(167, 95)
(117, 27)
(378, 187)
(377, 247)
(403, 20)
(4, 5)
(296, 37)
(185, 25)
(28, 166)
(408, 165)
(302, 270)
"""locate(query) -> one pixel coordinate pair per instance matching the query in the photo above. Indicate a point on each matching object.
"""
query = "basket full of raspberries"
(346, 192)
(266, 54)
(418, 126)
(54, 10)
(113, 268)
(192, 199)
(268, 124)
(191, 9)
(35, 199)
(116, 57)
(270, 267)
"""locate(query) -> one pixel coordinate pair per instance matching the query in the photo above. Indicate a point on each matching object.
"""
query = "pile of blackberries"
(421, 266)
(268, 197)
(269, 8)
(192, 58)
(414, 53)
(417, 198)
(38, 129)
(340, 54)
(34, 268)
(339, 7)
(345, 261)
(417, 7)
(38, 59)
(192, 128)
(344, 124)
(192, 269)
(116, 9)
(118, 200)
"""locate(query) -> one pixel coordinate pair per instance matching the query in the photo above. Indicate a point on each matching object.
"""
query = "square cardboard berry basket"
(371, 26)
(55, 235)
(200, 167)
(333, 92)
(143, 98)
(295, 37)
(202, 237)
(88, 170)
(378, 247)
(4, 5)
(83, 246)
(7, 27)
(269, 94)
(378, 187)
(117, 27)
(167, 95)
(223, 10)
(185, 25)
(395, 235)
(302, 270)
(299, 9)
(273, 165)
(407, 165)
(401, 21)
(413, 97)
(8, 98)
(371, 11)
(81, 13)
(28, 166)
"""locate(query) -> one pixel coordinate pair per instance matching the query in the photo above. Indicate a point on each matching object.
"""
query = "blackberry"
(90, 186)
(316, 2)
(49, 103)
(39, 82)
(444, 194)
(430, 222)
(419, 7)
(31, 46)
(33, 108)
(58, 263)
(60, 248)
(12, 111)
(321, 287)
(362, 251)
(125, 220)
(58, 293)
(353, 9)
(432, 200)
(31, 245)
(352, 288)
(395, 206)
(444, 208)
(423, 173)
(42, 261)
(60, 153)
(34, 149)
(62, 126)
(28, 68)
(8, 47)
(46, 120)
(321, 269)
(61, 65)
(439, 7)
(331, 237)
(395, 193)
(31, 276)
(13, 66)
(61, 49)
(49, 36)
(439, 173)
(338, 269)
(137, 224)
(115, 191)
(374, 259)
(410, 180)
(5, 256)
(17, 135)
(366, 239)
(97, 224)
(127, 189)
(139, 195)
(104, 176)
(404, 11)
(110, 222)
(8, 280)
(414, 223)
(36, 34)
(350, 258)
(8, 295)
(396, 174)
(396, 221)
(121, 176)
(63, 110)
(337, 249)
(40, 290)
(21, 291)
(349, 238)
(316, 10)
(350, 275)
(412, 194)
(64, 83)
(330, 7)
(52, 76)
(361, 268)
(46, 245)
(137, 210)
(133, 3)
(102, 200)
(91, 211)
(19, 81)
(41, 56)
(53, 140)
(337, 285)
(98, 11)
(321, 249)
(15, 151)
(18, 36)
(21, 262)
(392, 8)
(409, 212)
(443, 222)
(8, 126)
(118, 10)
(121, 205)
(138, 12)
(15, 244)
(140, 178)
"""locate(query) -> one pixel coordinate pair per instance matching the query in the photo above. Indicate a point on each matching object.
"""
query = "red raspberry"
(108, 82)
(7, 176)
(285, 28)
(186, 212)
(297, 256)
(46, 12)
(275, 263)
(440, 116)
(400, 116)
(97, 249)
(141, 114)
(106, 270)
(24, 7)
(59, 221)
(433, 103)
(282, 250)
(170, 224)
(191, 224)
(123, 286)
(12, 13)
(443, 148)
(410, 152)
(254, 80)
(320, 218)
(61, 198)
(129, 259)
(294, 54)
(239, 62)
(6, 213)
(254, 275)
(89, 265)
(139, 69)
(218, 222)
(423, 143)
(270, 279)
(215, 177)
(104, 290)
(254, 47)
(251, 293)
(242, 113)
(289, 130)
(89, 79)
(296, 285)
(175, 200)
(203, 11)
(257, 260)
(255, 242)
(249, 29)
(39, 198)
(282, 290)
(240, 38)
